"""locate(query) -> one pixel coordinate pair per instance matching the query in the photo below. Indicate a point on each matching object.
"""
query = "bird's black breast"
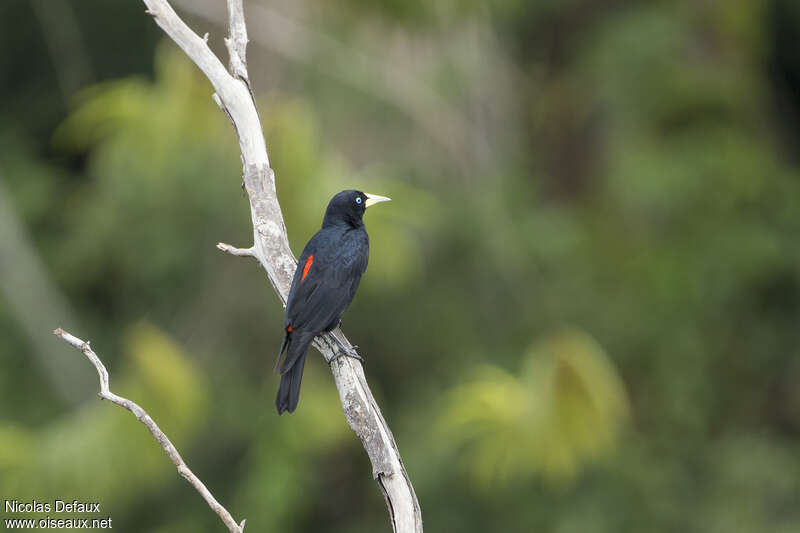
(327, 277)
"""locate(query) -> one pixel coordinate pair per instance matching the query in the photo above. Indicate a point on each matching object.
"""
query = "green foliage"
(566, 407)
(299, 157)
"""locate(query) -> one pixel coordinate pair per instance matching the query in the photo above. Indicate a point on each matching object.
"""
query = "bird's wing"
(325, 281)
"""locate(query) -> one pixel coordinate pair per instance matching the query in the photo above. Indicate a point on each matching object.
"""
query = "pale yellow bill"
(373, 199)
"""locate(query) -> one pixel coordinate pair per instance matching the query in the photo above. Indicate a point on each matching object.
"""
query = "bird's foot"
(345, 351)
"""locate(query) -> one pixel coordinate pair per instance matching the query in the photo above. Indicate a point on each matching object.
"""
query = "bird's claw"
(347, 352)
(344, 350)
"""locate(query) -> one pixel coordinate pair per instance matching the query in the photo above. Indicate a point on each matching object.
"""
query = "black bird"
(326, 279)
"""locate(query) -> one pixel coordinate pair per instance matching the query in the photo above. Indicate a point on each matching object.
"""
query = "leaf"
(565, 408)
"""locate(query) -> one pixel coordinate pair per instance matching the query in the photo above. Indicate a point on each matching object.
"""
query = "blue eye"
(358, 200)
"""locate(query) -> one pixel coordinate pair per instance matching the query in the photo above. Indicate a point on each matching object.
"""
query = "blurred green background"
(581, 311)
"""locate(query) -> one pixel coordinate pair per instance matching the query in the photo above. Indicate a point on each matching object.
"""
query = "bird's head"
(348, 207)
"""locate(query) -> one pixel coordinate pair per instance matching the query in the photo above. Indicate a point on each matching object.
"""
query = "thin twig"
(142, 416)
(241, 252)
(237, 42)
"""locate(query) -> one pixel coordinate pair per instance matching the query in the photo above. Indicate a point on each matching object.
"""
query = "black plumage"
(327, 277)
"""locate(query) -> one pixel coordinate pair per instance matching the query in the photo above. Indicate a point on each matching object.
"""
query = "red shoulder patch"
(289, 329)
(307, 267)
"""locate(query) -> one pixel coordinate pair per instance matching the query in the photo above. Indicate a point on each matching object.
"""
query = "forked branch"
(271, 249)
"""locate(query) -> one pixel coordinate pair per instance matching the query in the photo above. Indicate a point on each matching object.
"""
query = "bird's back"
(328, 274)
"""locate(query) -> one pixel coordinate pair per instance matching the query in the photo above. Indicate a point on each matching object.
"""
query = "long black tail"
(292, 372)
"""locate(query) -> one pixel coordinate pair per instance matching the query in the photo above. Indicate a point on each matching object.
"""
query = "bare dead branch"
(142, 416)
(242, 252)
(271, 249)
(237, 42)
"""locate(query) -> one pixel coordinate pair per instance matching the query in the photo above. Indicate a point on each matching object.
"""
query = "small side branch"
(142, 416)
(237, 42)
(241, 252)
